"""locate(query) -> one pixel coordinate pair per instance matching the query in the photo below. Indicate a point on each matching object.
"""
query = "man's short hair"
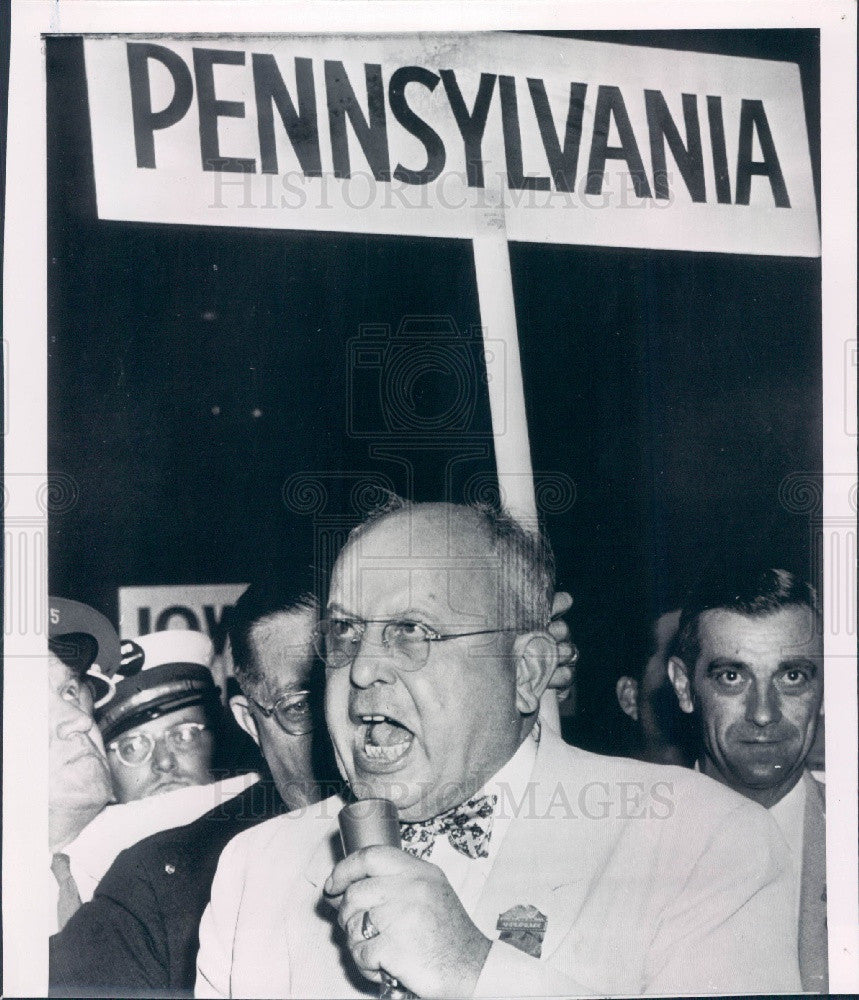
(282, 588)
(527, 563)
(753, 592)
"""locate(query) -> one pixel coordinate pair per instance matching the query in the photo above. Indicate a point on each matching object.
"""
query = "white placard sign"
(545, 139)
(196, 606)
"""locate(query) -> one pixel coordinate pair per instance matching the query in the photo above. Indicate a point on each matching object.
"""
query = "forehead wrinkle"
(272, 647)
(409, 551)
(787, 632)
(471, 593)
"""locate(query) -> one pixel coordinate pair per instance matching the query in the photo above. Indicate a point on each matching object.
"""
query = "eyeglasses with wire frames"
(136, 749)
(292, 712)
(337, 640)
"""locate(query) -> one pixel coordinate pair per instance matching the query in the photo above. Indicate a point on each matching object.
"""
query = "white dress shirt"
(789, 814)
(662, 904)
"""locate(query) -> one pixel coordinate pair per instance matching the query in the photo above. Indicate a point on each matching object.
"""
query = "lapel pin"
(524, 927)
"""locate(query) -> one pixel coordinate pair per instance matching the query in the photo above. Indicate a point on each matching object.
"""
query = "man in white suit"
(531, 868)
(748, 667)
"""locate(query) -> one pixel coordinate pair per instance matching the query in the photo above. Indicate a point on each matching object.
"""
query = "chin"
(414, 811)
(767, 777)
(407, 794)
(398, 790)
(92, 775)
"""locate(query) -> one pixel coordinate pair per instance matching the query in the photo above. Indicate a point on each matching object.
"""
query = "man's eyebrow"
(797, 662)
(407, 614)
(290, 688)
(724, 663)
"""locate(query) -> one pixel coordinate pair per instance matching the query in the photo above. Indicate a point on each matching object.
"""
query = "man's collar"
(789, 809)
(512, 778)
(795, 794)
(66, 825)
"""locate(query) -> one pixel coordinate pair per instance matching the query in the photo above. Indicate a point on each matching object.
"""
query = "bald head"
(468, 547)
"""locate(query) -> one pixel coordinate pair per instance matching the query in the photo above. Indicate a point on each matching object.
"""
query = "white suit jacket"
(653, 879)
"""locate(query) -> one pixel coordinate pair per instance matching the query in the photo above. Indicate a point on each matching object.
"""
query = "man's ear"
(679, 676)
(536, 656)
(241, 709)
(627, 696)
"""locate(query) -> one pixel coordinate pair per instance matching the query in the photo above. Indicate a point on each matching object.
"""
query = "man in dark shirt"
(138, 935)
(661, 733)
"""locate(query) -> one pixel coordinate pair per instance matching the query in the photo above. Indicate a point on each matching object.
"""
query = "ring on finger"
(368, 928)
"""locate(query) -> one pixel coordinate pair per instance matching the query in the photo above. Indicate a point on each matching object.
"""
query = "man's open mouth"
(385, 739)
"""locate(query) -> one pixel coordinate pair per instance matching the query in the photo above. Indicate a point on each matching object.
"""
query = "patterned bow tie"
(468, 828)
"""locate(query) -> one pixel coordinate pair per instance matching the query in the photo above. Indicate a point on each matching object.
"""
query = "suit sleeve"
(732, 928)
(115, 941)
(218, 926)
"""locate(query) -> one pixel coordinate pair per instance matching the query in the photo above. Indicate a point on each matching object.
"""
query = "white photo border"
(25, 762)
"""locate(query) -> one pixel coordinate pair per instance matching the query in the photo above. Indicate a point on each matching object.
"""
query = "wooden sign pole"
(506, 392)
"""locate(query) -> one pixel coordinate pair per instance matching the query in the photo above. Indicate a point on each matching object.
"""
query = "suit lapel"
(812, 896)
(329, 849)
(533, 864)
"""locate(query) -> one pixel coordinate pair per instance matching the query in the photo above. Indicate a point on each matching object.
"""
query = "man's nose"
(74, 722)
(373, 664)
(763, 707)
(163, 756)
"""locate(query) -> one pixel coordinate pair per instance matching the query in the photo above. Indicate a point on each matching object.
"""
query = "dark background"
(194, 371)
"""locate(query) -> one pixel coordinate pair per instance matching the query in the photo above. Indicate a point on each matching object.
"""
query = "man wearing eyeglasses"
(160, 726)
(530, 868)
(139, 933)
